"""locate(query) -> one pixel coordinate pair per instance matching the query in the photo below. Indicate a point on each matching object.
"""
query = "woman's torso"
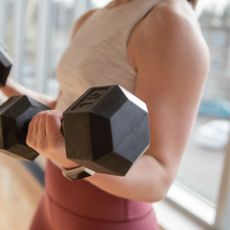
(99, 51)
(98, 55)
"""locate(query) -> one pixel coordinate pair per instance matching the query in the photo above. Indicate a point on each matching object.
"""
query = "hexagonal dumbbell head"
(15, 115)
(106, 130)
(5, 66)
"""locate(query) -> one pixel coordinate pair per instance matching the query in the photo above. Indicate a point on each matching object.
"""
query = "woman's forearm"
(146, 181)
(12, 88)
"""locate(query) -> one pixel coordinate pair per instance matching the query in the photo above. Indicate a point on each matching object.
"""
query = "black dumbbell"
(5, 65)
(105, 130)
(15, 115)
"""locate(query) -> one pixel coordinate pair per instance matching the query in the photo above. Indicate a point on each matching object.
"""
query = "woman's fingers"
(45, 137)
(29, 133)
(44, 130)
(53, 128)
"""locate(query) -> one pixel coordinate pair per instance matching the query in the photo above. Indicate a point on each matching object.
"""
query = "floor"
(19, 195)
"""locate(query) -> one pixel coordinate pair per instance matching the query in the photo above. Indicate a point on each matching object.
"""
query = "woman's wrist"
(68, 164)
(65, 164)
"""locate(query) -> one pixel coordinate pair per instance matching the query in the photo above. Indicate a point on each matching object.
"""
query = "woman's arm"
(12, 88)
(171, 59)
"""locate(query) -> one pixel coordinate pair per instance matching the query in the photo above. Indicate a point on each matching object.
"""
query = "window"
(36, 35)
(200, 177)
(38, 32)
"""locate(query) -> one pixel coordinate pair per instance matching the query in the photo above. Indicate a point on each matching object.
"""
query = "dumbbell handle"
(15, 115)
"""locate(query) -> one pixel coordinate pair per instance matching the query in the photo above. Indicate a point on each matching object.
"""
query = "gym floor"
(19, 194)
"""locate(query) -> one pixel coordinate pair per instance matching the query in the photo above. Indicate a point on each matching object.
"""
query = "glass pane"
(202, 163)
(21, 42)
(6, 20)
(61, 17)
(30, 40)
(61, 24)
(64, 14)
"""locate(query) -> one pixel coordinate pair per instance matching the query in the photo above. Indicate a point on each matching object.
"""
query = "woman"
(153, 48)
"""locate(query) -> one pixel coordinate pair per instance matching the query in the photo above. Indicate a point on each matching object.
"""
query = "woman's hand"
(45, 137)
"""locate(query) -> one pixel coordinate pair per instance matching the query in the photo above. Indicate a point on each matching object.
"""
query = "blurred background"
(36, 33)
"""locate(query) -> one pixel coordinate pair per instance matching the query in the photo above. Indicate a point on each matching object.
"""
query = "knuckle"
(49, 115)
(31, 143)
(28, 142)
(42, 115)
(50, 118)
(35, 118)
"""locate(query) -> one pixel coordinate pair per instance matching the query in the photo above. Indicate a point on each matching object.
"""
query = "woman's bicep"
(172, 67)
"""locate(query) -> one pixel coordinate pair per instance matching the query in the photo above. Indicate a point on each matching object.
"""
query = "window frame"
(199, 210)
(222, 220)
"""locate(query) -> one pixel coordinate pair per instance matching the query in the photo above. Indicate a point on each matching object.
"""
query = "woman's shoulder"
(170, 30)
(171, 17)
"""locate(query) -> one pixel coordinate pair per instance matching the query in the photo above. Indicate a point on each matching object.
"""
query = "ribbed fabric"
(96, 56)
(98, 52)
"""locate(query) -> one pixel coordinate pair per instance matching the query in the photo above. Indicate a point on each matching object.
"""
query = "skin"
(171, 58)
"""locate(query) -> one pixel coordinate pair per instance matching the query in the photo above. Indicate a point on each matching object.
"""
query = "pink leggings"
(81, 206)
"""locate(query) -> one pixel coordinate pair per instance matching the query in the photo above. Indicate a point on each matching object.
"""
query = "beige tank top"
(97, 54)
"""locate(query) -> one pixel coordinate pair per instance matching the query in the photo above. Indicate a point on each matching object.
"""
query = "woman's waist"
(82, 198)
